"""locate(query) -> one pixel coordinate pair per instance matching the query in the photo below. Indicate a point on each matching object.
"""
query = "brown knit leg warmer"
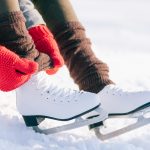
(14, 36)
(85, 68)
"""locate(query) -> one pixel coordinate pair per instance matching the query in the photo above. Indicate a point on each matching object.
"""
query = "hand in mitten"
(14, 71)
(46, 43)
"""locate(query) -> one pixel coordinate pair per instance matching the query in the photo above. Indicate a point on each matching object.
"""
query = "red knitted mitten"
(45, 42)
(14, 71)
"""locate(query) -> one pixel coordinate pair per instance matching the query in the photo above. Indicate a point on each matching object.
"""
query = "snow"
(120, 33)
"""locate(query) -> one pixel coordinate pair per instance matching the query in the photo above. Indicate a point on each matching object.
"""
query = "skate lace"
(46, 86)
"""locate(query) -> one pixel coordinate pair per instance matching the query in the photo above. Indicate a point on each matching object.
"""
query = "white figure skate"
(123, 104)
(38, 99)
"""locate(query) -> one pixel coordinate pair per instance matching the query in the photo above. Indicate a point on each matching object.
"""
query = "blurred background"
(120, 25)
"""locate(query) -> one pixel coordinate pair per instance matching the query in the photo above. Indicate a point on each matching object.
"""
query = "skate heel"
(31, 121)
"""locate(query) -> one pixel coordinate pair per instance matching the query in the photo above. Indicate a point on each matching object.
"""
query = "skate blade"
(143, 119)
(78, 122)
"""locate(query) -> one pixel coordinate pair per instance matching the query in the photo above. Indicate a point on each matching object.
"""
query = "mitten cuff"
(39, 32)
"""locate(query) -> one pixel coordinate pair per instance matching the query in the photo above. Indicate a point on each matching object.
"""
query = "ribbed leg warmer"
(85, 68)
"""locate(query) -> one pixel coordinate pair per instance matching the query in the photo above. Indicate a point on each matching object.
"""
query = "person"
(25, 69)
(89, 72)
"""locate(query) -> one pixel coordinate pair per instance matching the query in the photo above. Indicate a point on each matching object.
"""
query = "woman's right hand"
(14, 71)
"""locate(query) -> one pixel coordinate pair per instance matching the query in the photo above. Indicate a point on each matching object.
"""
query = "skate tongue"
(111, 88)
(38, 76)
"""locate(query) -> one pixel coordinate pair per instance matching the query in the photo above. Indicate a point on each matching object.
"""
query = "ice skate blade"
(141, 121)
(79, 122)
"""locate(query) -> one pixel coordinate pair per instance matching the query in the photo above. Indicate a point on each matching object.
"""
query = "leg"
(56, 12)
(90, 73)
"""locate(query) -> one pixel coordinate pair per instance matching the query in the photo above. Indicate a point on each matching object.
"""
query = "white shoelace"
(46, 86)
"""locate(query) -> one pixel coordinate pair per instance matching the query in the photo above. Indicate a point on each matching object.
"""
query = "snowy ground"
(120, 32)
